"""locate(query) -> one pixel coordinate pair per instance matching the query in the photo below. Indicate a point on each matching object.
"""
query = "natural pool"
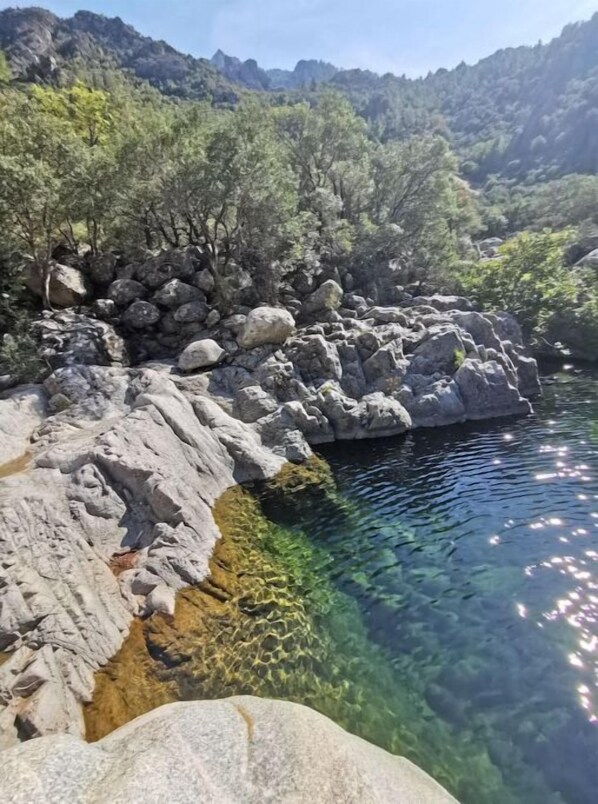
(441, 601)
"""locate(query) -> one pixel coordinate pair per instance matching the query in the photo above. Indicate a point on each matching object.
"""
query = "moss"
(293, 478)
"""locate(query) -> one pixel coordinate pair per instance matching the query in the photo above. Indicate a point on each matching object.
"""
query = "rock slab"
(241, 750)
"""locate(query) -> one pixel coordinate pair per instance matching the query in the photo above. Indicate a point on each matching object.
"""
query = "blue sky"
(401, 36)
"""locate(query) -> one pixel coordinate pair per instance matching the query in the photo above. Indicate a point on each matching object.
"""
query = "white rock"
(201, 354)
(266, 325)
(67, 286)
(21, 411)
(241, 750)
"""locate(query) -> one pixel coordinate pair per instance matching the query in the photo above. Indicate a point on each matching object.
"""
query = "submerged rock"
(241, 749)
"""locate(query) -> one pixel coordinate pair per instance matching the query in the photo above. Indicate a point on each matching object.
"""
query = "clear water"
(471, 554)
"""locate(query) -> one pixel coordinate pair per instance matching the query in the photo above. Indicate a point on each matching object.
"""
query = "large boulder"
(101, 268)
(67, 339)
(201, 354)
(67, 285)
(266, 325)
(242, 749)
(329, 296)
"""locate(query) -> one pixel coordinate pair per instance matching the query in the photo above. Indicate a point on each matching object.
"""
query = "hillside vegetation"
(112, 141)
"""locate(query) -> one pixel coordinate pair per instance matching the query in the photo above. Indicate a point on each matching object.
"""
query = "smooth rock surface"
(201, 354)
(266, 325)
(242, 750)
(22, 410)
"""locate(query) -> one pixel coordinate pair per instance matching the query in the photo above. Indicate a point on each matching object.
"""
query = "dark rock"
(166, 266)
(124, 291)
(101, 269)
(195, 311)
(141, 315)
(175, 293)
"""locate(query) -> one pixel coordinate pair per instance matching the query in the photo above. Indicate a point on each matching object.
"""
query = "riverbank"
(113, 514)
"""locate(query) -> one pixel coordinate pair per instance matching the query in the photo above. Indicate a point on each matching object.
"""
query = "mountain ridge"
(522, 112)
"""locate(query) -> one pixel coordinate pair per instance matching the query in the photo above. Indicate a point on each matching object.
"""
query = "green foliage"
(528, 279)
(5, 75)
(459, 358)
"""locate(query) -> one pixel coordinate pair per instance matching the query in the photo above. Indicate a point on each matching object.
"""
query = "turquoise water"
(471, 555)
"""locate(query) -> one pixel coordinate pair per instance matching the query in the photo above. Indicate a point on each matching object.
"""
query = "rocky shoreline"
(110, 512)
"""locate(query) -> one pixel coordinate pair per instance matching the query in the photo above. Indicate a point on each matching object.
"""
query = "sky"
(399, 36)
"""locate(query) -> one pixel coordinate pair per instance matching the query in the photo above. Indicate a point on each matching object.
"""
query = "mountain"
(523, 113)
(41, 46)
(249, 74)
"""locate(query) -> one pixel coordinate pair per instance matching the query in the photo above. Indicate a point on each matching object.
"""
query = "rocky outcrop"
(113, 515)
(237, 750)
(387, 371)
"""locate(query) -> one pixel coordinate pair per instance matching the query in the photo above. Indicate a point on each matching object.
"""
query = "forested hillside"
(111, 141)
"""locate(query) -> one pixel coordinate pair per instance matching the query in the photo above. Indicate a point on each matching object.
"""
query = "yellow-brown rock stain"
(15, 466)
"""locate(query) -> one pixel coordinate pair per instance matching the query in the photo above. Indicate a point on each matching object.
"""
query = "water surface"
(440, 601)
(472, 554)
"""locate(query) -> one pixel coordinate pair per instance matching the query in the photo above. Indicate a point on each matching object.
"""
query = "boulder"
(141, 315)
(192, 312)
(212, 319)
(104, 309)
(204, 281)
(241, 749)
(176, 293)
(165, 266)
(266, 325)
(67, 285)
(201, 354)
(329, 296)
(125, 291)
(68, 338)
(101, 269)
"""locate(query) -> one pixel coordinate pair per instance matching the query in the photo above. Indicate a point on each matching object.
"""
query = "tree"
(529, 280)
(37, 152)
(5, 74)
